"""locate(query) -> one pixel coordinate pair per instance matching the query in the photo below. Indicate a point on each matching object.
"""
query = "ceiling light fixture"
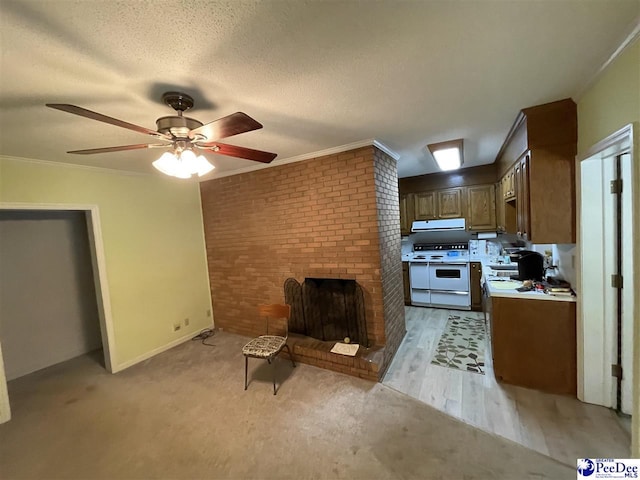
(183, 164)
(448, 155)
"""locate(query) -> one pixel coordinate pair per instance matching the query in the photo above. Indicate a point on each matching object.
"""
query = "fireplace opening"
(327, 309)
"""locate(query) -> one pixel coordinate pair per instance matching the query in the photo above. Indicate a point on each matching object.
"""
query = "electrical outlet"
(186, 322)
(176, 327)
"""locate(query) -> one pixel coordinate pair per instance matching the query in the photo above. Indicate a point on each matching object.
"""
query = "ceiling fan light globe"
(189, 162)
(166, 163)
(204, 166)
(170, 165)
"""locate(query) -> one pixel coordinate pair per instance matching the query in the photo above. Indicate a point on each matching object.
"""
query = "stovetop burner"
(441, 252)
(440, 247)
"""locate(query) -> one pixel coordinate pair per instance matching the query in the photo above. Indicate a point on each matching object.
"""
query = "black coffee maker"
(530, 266)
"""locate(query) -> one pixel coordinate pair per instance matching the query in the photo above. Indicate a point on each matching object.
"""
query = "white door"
(5, 409)
(600, 252)
(419, 281)
(449, 276)
(628, 250)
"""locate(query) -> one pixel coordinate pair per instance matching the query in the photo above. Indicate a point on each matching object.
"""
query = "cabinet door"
(522, 197)
(476, 291)
(425, 206)
(500, 223)
(508, 185)
(481, 209)
(534, 343)
(450, 203)
(405, 281)
(406, 213)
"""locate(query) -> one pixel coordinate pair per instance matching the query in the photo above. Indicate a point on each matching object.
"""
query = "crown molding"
(386, 150)
(49, 163)
(307, 156)
(629, 40)
(258, 166)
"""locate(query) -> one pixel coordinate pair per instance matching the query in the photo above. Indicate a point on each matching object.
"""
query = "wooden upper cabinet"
(406, 213)
(509, 185)
(450, 204)
(499, 199)
(522, 198)
(538, 156)
(425, 206)
(481, 208)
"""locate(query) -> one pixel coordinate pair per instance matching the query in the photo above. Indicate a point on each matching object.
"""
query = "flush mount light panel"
(448, 155)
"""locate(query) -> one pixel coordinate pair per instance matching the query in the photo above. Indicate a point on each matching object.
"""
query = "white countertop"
(488, 275)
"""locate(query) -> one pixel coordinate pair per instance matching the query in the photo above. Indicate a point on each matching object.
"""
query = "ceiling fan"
(182, 136)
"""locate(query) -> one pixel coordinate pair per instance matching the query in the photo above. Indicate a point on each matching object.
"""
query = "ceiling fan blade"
(239, 152)
(83, 112)
(122, 148)
(226, 127)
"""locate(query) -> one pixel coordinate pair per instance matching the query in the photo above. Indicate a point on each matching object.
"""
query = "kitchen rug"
(461, 345)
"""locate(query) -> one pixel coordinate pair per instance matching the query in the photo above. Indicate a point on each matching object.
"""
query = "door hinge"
(616, 280)
(616, 186)
(616, 371)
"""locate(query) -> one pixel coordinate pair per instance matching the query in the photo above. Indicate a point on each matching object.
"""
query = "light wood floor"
(559, 426)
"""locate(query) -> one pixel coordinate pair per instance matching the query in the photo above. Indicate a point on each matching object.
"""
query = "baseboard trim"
(156, 351)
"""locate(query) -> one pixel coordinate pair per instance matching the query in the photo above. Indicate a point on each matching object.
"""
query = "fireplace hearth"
(327, 309)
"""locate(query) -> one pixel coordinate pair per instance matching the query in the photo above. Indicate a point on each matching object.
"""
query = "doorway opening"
(57, 306)
(606, 281)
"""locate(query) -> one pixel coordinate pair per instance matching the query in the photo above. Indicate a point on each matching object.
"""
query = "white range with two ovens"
(439, 275)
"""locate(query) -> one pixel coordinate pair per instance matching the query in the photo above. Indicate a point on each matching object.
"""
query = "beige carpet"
(184, 414)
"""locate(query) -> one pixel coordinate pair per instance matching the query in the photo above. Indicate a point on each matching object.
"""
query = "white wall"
(48, 310)
(153, 269)
(563, 258)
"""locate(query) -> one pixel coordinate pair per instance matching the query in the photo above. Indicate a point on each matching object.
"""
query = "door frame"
(98, 262)
(619, 142)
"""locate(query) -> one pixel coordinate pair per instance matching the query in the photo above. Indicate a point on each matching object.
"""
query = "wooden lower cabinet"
(475, 269)
(405, 281)
(534, 343)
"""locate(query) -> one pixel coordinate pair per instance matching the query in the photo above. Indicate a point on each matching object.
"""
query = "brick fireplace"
(335, 216)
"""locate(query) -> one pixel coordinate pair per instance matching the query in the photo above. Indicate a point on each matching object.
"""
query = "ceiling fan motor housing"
(178, 127)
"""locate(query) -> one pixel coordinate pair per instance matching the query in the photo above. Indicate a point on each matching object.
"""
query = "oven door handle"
(435, 264)
(450, 292)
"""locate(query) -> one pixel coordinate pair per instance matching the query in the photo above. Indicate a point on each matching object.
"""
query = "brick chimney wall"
(315, 218)
(387, 200)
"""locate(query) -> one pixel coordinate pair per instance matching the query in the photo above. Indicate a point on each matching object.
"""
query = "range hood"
(446, 225)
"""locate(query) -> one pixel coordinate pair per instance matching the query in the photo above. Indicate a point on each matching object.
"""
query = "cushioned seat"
(264, 346)
(268, 346)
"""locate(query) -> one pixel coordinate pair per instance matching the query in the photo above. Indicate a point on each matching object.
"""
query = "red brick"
(335, 215)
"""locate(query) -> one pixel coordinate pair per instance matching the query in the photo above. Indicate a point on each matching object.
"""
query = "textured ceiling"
(316, 74)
